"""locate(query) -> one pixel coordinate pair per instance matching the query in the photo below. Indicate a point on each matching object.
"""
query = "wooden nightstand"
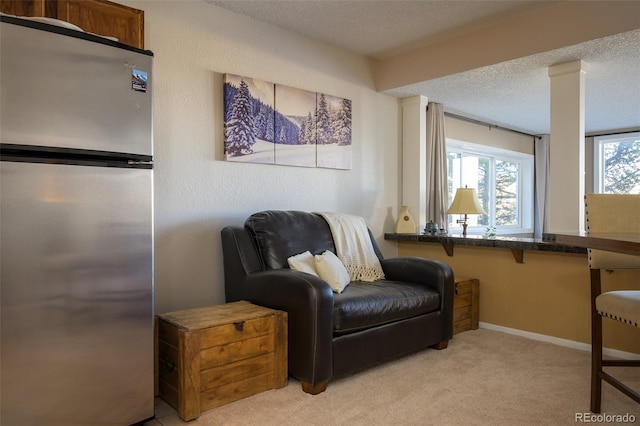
(466, 304)
(208, 357)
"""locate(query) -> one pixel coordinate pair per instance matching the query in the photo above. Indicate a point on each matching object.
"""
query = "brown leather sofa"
(330, 334)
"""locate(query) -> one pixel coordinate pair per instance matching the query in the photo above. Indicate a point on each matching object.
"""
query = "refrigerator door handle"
(139, 163)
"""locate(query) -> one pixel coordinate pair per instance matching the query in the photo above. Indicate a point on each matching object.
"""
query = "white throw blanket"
(353, 246)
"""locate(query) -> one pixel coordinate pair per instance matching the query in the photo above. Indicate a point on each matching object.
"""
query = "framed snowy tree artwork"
(277, 124)
(333, 126)
(248, 120)
(295, 127)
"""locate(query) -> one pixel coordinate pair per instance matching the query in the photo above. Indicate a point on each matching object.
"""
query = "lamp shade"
(466, 202)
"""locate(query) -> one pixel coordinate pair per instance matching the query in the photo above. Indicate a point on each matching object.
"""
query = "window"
(503, 180)
(616, 168)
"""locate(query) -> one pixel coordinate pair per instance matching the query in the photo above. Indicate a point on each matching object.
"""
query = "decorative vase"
(405, 223)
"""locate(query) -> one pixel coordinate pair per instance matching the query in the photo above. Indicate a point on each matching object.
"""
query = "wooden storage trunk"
(208, 357)
(466, 304)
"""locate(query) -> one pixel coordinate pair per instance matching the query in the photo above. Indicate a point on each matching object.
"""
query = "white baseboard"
(613, 353)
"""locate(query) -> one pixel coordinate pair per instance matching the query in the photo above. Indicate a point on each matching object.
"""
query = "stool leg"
(596, 344)
(596, 365)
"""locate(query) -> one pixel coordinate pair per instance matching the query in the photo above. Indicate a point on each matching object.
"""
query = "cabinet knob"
(239, 325)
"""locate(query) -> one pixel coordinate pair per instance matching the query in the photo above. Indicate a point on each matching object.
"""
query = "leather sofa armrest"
(308, 300)
(430, 272)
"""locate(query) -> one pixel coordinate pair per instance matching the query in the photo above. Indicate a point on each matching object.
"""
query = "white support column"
(414, 154)
(566, 177)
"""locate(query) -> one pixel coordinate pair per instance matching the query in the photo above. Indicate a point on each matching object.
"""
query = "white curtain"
(541, 189)
(437, 192)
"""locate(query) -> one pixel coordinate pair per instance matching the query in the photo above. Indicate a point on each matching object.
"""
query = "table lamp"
(465, 202)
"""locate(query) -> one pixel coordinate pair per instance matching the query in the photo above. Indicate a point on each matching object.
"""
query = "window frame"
(525, 187)
(598, 156)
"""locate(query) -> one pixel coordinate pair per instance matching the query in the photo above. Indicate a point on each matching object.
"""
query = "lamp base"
(464, 225)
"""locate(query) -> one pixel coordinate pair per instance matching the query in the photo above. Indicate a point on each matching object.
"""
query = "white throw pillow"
(331, 269)
(303, 262)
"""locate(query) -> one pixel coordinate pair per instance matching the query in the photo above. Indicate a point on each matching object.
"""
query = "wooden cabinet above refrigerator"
(100, 17)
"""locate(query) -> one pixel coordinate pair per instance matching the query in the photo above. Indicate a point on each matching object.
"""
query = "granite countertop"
(513, 243)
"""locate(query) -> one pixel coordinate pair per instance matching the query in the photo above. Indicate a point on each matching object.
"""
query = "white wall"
(197, 192)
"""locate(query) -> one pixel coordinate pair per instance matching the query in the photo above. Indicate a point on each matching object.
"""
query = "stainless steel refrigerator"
(76, 228)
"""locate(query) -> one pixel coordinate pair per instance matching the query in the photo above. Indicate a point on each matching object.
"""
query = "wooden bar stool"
(611, 214)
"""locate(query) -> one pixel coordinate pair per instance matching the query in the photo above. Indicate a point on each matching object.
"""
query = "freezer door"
(62, 91)
(76, 283)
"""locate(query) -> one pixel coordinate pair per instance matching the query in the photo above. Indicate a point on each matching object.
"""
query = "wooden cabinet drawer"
(466, 304)
(208, 357)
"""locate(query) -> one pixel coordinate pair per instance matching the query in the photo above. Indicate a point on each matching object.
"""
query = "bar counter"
(517, 245)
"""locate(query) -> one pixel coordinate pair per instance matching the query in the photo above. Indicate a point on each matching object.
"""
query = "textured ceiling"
(513, 94)
(516, 93)
(378, 28)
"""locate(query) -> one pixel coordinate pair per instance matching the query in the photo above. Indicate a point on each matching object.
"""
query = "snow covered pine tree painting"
(248, 119)
(334, 132)
(296, 139)
(305, 129)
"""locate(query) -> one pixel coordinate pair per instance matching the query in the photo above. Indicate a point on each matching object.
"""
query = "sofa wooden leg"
(441, 345)
(314, 389)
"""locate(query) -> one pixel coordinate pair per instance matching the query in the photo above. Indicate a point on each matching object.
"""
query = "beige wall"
(197, 192)
(471, 132)
(547, 294)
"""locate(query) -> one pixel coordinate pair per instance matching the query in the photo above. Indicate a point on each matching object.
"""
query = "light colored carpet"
(483, 378)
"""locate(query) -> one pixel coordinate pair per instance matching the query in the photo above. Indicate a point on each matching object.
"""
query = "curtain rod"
(483, 123)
